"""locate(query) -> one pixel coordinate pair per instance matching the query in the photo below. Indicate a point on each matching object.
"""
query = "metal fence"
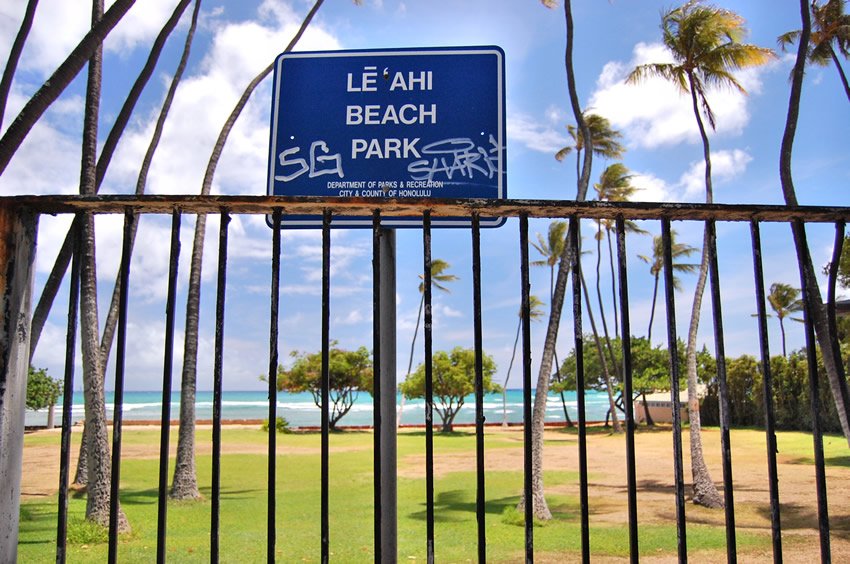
(20, 217)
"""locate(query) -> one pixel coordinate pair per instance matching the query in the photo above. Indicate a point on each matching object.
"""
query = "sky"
(235, 40)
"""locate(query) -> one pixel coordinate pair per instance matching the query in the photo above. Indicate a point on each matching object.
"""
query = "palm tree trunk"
(99, 463)
(652, 311)
(831, 358)
(412, 349)
(782, 332)
(508, 375)
(15, 55)
(185, 456)
(649, 421)
(705, 492)
(141, 183)
(58, 81)
(613, 285)
(606, 375)
(840, 73)
(608, 347)
(567, 421)
(539, 505)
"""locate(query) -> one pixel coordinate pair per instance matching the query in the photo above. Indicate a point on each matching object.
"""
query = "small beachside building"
(660, 407)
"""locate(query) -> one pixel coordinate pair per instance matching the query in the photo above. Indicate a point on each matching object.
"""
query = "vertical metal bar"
(526, 390)
(672, 347)
(217, 381)
(376, 379)
(168, 360)
(326, 352)
(629, 389)
(814, 400)
(720, 355)
(429, 387)
(830, 306)
(574, 240)
(273, 359)
(117, 418)
(479, 387)
(68, 398)
(767, 380)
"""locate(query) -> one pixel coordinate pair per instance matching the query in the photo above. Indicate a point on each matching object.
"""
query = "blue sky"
(237, 39)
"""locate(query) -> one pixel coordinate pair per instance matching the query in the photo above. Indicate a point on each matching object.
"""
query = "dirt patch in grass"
(608, 491)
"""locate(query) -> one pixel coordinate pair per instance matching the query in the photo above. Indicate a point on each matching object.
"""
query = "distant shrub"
(281, 424)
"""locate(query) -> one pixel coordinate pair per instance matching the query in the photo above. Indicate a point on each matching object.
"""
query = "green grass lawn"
(243, 508)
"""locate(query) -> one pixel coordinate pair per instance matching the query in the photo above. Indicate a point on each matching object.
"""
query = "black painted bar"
(669, 289)
(526, 390)
(628, 391)
(273, 360)
(720, 356)
(118, 401)
(376, 379)
(574, 240)
(326, 345)
(479, 388)
(217, 381)
(167, 363)
(767, 381)
(429, 388)
(68, 398)
(814, 401)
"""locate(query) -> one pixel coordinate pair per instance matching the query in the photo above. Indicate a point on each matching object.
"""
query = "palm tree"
(831, 33)
(552, 249)
(538, 506)
(535, 313)
(784, 300)
(185, 481)
(705, 43)
(605, 140)
(438, 278)
(656, 264)
(615, 185)
(814, 303)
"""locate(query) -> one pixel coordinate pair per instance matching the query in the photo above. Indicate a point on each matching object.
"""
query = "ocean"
(300, 410)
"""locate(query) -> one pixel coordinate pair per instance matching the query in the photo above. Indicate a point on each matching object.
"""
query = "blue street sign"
(402, 123)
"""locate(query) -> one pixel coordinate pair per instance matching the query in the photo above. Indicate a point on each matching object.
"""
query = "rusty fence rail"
(25, 210)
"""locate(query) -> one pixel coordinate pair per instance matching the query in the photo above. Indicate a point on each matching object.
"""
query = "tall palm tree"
(784, 300)
(605, 140)
(830, 33)
(552, 249)
(184, 481)
(705, 44)
(535, 312)
(538, 505)
(439, 277)
(814, 302)
(615, 185)
(656, 264)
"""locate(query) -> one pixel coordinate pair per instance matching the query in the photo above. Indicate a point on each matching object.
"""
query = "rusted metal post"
(17, 257)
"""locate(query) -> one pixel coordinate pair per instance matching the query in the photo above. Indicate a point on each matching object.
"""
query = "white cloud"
(654, 112)
(725, 165)
(537, 136)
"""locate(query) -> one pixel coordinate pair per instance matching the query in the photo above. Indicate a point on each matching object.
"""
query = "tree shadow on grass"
(458, 505)
(842, 461)
(796, 516)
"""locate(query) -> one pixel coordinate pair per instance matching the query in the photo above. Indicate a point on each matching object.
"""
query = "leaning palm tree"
(830, 33)
(184, 483)
(552, 249)
(535, 313)
(439, 277)
(784, 300)
(15, 55)
(705, 43)
(656, 264)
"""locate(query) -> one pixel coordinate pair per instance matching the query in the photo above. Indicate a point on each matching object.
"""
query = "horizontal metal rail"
(438, 207)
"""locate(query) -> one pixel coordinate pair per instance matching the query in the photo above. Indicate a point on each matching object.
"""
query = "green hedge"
(792, 409)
